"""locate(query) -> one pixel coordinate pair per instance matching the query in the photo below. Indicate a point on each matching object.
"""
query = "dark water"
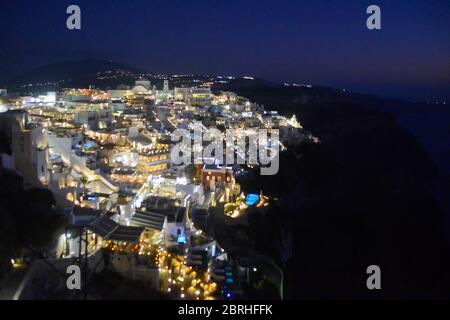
(432, 129)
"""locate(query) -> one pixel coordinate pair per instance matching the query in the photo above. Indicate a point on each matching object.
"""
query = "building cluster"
(105, 155)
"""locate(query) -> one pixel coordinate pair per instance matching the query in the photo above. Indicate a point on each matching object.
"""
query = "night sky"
(319, 42)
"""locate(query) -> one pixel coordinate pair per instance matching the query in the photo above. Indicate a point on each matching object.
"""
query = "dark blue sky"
(316, 41)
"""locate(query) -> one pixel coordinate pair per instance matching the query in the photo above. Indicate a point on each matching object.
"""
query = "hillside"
(74, 73)
(360, 197)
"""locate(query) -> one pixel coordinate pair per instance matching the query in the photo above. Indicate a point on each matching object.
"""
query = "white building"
(28, 153)
(94, 116)
(166, 86)
(197, 96)
(142, 86)
(119, 94)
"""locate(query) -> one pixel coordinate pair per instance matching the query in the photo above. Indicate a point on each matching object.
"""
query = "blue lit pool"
(251, 199)
(181, 239)
(88, 144)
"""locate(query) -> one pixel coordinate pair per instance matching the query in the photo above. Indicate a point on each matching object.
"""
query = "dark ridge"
(74, 73)
(360, 197)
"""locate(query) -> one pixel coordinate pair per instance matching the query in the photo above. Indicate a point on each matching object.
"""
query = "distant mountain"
(274, 95)
(108, 74)
(76, 73)
(4, 74)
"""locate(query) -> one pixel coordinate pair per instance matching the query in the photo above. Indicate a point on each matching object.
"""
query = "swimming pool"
(251, 199)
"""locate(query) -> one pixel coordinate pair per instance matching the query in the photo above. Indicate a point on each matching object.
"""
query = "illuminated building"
(226, 97)
(84, 95)
(97, 118)
(48, 99)
(142, 86)
(119, 94)
(163, 214)
(26, 148)
(212, 174)
(293, 122)
(197, 96)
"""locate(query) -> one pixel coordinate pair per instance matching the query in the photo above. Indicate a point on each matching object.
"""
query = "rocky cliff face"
(358, 198)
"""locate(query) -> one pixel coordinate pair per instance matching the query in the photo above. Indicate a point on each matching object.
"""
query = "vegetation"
(27, 218)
